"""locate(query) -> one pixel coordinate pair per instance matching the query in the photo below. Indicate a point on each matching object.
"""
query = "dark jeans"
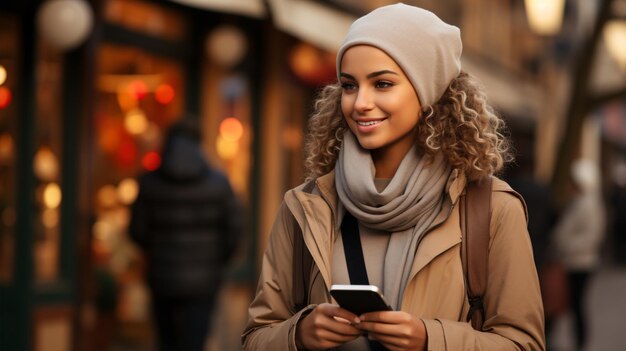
(182, 323)
(578, 288)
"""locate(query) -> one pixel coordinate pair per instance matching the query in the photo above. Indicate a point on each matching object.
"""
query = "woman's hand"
(396, 330)
(325, 327)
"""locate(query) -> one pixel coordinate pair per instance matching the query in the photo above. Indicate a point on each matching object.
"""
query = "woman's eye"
(348, 86)
(383, 84)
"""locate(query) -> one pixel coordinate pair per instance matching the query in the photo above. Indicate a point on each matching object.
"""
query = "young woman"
(393, 144)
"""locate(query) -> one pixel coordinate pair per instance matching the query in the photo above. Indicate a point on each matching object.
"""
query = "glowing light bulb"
(231, 129)
(136, 122)
(46, 165)
(52, 195)
(164, 94)
(545, 16)
(5, 97)
(127, 191)
(3, 74)
(138, 89)
(151, 161)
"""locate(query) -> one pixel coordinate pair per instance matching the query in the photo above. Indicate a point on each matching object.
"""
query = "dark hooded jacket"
(187, 220)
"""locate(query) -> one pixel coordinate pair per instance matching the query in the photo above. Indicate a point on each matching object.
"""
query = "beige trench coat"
(436, 289)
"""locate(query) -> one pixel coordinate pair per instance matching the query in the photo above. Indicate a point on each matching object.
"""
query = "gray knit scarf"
(405, 208)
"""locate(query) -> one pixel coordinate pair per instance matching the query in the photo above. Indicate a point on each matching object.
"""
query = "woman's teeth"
(368, 123)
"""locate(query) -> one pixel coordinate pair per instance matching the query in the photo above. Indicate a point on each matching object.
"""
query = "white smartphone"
(359, 299)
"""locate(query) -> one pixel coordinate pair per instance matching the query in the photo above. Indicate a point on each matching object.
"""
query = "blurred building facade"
(87, 88)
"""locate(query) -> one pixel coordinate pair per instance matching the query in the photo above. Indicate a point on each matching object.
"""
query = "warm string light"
(545, 16)
(231, 129)
(5, 97)
(138, 89)
(52, 195)
(3, 74)
(227, 143)
(127, 191)
(151, 161)
(46, 164)
(164, 94)
(136, 122)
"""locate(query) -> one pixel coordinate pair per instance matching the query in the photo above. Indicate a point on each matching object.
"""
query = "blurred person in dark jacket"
(188, 221)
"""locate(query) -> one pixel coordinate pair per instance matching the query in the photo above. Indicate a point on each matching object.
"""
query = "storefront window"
(9, 60)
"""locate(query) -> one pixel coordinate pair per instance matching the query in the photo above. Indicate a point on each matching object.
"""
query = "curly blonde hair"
(462, 125)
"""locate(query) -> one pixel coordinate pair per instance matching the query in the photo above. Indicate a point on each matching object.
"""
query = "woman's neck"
(387, 160)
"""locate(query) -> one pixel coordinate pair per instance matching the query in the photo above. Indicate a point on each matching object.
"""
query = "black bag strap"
(355, 260)
(302, 263)
(353, 250)
(475, 219)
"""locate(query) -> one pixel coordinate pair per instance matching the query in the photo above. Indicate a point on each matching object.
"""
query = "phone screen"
(359, 299)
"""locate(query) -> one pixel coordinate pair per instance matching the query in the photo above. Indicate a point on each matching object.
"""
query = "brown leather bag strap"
(302, 263)
(476, 216)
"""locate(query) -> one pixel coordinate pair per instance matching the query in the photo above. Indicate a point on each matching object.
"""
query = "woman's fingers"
(333, 311)
(396, 330)
(336, 320)
(326, 326)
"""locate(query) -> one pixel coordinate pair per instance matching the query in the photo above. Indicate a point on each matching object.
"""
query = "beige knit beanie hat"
(427, 49)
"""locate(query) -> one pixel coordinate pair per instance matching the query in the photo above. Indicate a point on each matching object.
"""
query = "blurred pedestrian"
(188, 221)
(578, 238)
(391, 147)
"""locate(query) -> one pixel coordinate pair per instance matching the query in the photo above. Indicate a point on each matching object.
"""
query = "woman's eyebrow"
(369, 76)
(346, 75)
(379, 73)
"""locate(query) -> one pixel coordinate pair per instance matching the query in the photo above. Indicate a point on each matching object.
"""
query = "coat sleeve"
(271, 319)
(513, 306)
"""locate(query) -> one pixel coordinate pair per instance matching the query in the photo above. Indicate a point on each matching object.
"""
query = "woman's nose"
(364, 101)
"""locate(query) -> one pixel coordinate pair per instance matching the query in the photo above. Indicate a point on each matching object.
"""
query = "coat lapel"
(315, 215)
(445, 235)
(439, 240)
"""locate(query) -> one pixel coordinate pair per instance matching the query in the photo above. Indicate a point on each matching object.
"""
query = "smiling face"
(378, 101)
